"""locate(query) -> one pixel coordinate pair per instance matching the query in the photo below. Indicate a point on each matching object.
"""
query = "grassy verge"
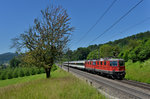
(61, 85)
(21, 79)
(138, 71)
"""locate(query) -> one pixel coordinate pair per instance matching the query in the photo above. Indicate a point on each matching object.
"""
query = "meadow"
(138, 71)
(61, 85)
(10, 73)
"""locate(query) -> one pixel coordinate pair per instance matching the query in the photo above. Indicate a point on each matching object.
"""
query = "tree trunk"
(47, 70)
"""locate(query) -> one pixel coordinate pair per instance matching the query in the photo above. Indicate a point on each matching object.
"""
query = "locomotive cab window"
(94, 63)
(101, 63)
(113, 63)
(97, 62)
(105, 63)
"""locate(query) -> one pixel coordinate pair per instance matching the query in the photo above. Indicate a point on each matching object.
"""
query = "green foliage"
(42, 70)
(10, 74)
(27, 72)
(47, 39)
(93, 55)
(115, 51)
(54, 67)
(14, 62)
(93, 47)
(125, 41)
(136, 50)
(20, 72)
(140, 52)
(138, 71)
(15, 73)
(80, 54)
(135, 47)
(125, 55)
(3, 75)
(33, 71)
(106, 51)
(39, 71)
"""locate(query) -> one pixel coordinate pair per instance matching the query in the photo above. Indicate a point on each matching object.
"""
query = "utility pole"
(60, 60)
(99, 52)
(68, 59)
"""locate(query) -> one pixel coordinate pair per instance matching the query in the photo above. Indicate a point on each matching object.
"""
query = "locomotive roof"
(83, 61)
(103, 59)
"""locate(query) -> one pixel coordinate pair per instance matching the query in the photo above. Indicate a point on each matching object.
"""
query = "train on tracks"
(114, 68)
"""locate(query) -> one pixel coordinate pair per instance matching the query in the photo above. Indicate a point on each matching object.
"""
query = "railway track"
(123, 89)
(136, 84)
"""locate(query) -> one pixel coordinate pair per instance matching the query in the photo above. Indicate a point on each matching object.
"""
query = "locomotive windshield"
(121, 63)
(113, 63)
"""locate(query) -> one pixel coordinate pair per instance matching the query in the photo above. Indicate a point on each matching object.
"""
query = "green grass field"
(138, 71)
(62, 85)
(21, 79)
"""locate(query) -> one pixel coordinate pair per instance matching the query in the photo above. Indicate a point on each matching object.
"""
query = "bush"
(10, 74)
(27, 72)
(15, 73)
(14, 62)
(21, 73)
(33, 71)
(42, 70)
(54, 67)
(3, 75)
(39, 71)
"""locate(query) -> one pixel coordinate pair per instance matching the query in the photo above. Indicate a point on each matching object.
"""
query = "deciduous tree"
(47, 39)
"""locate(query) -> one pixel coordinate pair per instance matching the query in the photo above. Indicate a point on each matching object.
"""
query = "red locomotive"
(114, 68)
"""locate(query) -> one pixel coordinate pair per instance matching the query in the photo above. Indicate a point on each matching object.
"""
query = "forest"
(135, 48)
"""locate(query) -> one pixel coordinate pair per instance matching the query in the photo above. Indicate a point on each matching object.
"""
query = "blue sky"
(17, 15)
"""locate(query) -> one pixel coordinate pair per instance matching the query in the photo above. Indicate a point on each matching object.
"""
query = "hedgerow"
(10, 73)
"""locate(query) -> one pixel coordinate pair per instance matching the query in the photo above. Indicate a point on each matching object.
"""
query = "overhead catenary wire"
(127, 29)
(116, 22)
(99, 19)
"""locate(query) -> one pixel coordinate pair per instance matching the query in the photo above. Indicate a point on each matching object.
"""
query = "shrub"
(21, 74)
(14, 62)
(15, 73)
(3, 75)
(27, 72)
(10, 74)
(33, 71)
(42, 70)
(54, 67)
(39, 71)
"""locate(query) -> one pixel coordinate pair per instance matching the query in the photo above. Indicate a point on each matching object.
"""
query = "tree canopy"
(47, 39)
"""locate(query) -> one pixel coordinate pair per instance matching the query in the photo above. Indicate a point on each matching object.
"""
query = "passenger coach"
(110, 67)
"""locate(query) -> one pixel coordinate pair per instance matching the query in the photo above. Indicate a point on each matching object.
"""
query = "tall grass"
(139, 71)
(61, 85)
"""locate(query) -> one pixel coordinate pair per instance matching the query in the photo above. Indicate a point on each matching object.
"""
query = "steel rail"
(121, 86)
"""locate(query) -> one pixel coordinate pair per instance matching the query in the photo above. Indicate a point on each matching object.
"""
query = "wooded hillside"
(6, 57)
(135, 47)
